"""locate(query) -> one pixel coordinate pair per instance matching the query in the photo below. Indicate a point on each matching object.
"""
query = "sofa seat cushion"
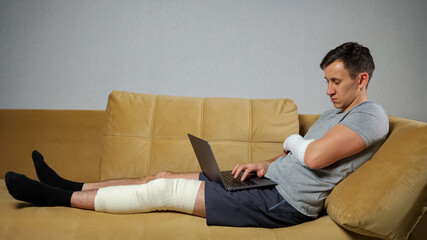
(145, 134)
(387, 196)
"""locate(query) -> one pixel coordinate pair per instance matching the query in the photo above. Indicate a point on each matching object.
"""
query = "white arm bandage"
(160, 194)
(297, 146)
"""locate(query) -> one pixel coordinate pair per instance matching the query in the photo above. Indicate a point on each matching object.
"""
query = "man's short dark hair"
(356, 59)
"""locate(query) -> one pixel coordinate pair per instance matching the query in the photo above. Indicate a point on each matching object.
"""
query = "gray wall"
(57, 54)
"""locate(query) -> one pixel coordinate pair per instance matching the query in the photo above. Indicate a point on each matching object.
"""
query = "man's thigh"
(258, 207)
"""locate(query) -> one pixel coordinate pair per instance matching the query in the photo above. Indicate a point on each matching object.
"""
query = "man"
(337, 144)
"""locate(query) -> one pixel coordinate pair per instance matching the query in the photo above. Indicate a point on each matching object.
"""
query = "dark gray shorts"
(258, 207)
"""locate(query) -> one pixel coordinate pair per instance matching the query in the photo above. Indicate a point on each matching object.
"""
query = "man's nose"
(331, 90)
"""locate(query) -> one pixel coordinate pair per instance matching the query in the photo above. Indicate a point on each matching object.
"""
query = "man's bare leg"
(84, 199)
(199, 205)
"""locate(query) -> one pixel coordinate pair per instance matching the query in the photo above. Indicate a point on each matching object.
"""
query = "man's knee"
(157, 195)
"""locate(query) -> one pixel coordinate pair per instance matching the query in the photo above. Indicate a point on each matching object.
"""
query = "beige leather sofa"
(141, 134)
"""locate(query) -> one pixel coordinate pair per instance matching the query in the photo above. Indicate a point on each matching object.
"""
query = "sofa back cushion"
(145, 134)
(68, 139)
(387, 195)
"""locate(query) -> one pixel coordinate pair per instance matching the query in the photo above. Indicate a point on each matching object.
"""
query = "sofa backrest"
(145, 134)
(68, 139)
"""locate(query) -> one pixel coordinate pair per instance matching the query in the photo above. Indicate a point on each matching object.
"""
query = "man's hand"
(260, 168)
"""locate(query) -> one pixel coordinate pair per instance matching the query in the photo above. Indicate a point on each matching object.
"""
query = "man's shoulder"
(369, 106)
(369, 120)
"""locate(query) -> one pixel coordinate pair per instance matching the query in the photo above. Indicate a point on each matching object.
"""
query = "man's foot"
(24, 189)
(48, 176)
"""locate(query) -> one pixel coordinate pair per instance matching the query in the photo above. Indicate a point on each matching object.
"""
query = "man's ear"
(363, 79)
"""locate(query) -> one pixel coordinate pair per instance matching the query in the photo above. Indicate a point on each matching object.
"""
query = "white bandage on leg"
(160, 194)
(297, 146)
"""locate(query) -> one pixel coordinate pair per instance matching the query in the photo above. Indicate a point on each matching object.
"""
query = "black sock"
(24, 189)
(48, 176)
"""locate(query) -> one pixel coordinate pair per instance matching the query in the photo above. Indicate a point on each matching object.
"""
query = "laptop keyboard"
(235, 182)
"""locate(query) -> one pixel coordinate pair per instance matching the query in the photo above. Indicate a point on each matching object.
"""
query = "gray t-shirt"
(306, 189)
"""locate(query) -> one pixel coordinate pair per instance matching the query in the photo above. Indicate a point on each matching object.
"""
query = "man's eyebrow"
(333, 79)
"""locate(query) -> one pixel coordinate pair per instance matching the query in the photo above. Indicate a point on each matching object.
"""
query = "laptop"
(210, 168)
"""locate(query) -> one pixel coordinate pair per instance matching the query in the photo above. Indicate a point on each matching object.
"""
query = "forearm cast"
(297, 145)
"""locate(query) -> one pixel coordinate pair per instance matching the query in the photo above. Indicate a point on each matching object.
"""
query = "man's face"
(343, 91)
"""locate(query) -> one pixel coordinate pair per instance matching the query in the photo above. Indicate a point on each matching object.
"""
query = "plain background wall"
(62, 54)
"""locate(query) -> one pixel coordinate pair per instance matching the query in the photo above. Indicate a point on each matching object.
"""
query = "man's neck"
(358, 100)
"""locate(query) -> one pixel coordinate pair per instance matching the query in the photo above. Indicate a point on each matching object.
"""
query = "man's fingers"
(251, 168)
(261, 172)
(247, 168)
(245, 174)
(238, 170)
(235, 169)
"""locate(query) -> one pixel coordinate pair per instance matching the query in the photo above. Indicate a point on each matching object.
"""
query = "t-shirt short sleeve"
(369, 120)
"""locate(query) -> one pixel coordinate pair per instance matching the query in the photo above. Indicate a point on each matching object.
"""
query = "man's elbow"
(313, 161)
(313, 164)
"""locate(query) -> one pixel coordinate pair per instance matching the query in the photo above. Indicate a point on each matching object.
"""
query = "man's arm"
(338, 143)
